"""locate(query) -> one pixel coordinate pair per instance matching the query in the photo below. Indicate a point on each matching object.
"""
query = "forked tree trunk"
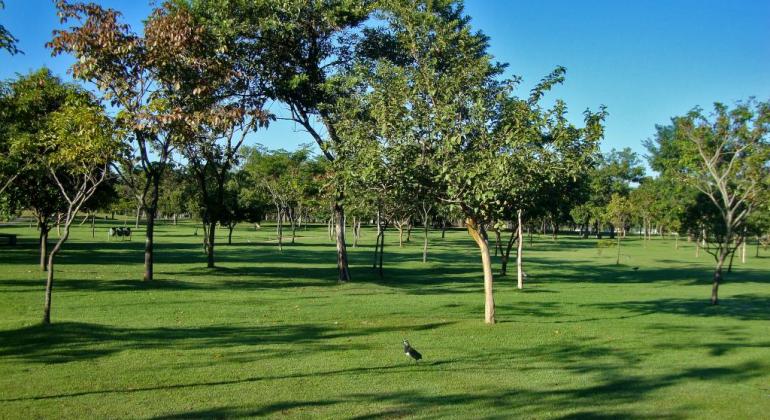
(479, 235)
(507, 253)
(519, 256)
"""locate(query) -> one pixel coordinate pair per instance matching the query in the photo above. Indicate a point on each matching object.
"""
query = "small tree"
(725, 157)
(619, 213)
(81, 144)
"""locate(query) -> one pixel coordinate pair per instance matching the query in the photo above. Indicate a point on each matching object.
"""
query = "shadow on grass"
(70, 341)
(748, 307)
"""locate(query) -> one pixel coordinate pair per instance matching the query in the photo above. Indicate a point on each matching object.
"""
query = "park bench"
(10, 236)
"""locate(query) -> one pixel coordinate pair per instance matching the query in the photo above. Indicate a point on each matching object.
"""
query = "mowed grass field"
(271, 333)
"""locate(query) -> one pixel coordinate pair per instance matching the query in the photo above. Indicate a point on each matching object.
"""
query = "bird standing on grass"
(409, 351)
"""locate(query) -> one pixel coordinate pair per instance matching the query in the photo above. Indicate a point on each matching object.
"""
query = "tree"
(724, 156)
(140, 76)
(303, 49)
(7, 40)
(480, 138)
(619, 213)
(81, 143)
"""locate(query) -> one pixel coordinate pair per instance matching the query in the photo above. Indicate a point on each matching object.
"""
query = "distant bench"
(10, 236)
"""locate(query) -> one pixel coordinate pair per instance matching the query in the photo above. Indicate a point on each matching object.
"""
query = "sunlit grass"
(269, 333)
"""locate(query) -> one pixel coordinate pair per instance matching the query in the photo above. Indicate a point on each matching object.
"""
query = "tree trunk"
(717, 277)
(279, 229)
(44, 228)
(149, 241)
(443, 229)
(617, 260)
(93, 228)
(409, 231)
(519, 256)
(743, 251)
(400, 228)
(175, 217)
(49, 277)
(211, 237)
(425, 240)
(507, 253)
(342, 252)
(355, 233)
(138, 216)
(479, 235)
(498, 242)
(293, 219)
(230, 233)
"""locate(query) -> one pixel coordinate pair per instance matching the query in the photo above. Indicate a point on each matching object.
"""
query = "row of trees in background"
(415, 123)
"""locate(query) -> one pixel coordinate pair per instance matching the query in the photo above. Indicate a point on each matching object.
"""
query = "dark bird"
(635, 268)
(409, 351)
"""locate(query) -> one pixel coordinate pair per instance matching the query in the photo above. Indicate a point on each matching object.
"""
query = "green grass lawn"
(273, 334)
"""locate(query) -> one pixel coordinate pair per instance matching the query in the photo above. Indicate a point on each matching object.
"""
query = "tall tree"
(139, 75)
(303, 48)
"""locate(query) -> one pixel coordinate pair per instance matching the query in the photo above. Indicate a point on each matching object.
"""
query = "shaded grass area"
(270, 333)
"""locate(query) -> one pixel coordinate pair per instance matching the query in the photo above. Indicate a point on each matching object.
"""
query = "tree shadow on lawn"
(604, 368)
(599, 400)
(746, 307)
(71, 341)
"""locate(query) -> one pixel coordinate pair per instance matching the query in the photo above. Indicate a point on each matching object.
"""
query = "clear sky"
(645, 60)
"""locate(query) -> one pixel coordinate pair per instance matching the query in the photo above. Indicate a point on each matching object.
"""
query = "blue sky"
(645, 60)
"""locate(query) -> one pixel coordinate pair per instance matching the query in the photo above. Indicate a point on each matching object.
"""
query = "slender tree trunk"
(400, 228)
(617, 260)
(519, 254)
(149, 237)
(50, 277)
(293, 217)
(355, 233)
(138, 216)
(93, 228)
(230, 228)
(425, 224)
(409, 231)
(342, 252)
(175, 218)
(443, 229)
(757, 252)
(498, 242)
(697, 247)
(279, 229)
(479, 235)
(382, 248)
(44, 228)
(210, 242)
(743, 250)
